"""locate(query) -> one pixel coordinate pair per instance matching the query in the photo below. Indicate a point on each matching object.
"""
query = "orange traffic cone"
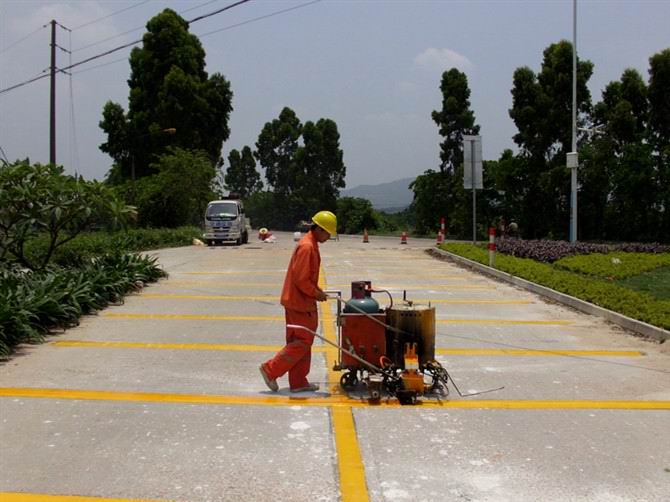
(365, 236)
(403, 238)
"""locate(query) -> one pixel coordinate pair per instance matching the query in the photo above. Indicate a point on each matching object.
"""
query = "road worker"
(299, 296)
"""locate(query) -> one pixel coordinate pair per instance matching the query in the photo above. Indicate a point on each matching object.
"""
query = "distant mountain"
(391, 197)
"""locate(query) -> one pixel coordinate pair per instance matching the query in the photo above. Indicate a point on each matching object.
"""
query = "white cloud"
(442, 60)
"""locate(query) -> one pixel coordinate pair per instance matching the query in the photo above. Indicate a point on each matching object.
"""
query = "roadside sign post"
(472, 173)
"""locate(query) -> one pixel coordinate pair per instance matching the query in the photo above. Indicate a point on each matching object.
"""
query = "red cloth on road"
(296, 356)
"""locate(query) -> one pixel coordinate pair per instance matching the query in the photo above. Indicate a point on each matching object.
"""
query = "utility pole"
(573, 156)
(52, 101)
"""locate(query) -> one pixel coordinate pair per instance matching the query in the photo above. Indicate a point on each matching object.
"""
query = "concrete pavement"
(160, 398)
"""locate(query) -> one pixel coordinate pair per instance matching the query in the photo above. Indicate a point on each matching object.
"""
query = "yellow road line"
(155, 296)
(336, 401)
(193, 317)
(537, 352)
(504, 321)
(405, 275)
(170, 282)
(173, 346)
(233, 272)
(352, 472)
(331, 352)
(278, 284)
(330, 334)
(203, 317)
(477, 302)
(43, 497)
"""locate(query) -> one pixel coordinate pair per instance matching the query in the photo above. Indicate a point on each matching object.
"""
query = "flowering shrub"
(548, 251)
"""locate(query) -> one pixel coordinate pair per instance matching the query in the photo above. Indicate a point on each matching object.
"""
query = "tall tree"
(441, 194)
(659, 125)
(455, 119)
(542, 111)
(169, 89)
(321, 165)
(241, 176)
(179, 191)
(618, 192)
(304, 178)
(276, 149)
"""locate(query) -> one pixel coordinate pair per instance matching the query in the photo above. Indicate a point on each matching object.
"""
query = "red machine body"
(364, 337)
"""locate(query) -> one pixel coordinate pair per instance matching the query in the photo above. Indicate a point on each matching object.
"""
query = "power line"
(136, 29)
(111, 51)
(22, 39)
(100, 65)
(110, 15)
(227, 7)
(198, 6)
(272, 14)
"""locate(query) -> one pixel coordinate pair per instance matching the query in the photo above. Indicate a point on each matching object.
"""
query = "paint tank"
(411, 324)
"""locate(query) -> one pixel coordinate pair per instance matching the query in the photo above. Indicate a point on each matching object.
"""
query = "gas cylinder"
(361, 299)
(410, 323)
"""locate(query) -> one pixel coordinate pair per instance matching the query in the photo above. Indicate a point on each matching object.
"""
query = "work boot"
(312, 387)
(270, 382)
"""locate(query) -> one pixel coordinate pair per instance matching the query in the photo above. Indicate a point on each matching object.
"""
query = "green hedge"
(34, 303)
(91, 244)
(613, 266)
(600, 292)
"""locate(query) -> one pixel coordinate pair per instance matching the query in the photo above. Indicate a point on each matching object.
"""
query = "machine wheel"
(245, 238)
(209, 242)
(349, 380)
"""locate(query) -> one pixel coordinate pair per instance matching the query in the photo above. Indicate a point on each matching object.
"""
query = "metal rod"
(474, 194)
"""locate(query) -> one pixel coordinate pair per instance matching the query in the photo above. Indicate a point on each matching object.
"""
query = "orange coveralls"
(299, 300)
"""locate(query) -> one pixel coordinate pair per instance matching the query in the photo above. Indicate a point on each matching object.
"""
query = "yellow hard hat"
(327, 221)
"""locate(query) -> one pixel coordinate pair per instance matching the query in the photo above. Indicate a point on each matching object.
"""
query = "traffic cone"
(365, 236)
(403, 238)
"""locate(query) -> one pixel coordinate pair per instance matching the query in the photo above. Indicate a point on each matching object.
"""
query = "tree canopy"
(170, 91)
(241, 176)
(304, 165)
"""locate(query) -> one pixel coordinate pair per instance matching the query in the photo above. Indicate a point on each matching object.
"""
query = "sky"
(374, 67)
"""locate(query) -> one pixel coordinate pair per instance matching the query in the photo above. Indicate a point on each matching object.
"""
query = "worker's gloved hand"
(321, 296)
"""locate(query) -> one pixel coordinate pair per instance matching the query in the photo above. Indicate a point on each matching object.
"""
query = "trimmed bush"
(89, 245)
(603, 293)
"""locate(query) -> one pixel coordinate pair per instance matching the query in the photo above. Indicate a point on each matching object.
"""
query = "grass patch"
(617, 265)
(655, 283)
(591, 288)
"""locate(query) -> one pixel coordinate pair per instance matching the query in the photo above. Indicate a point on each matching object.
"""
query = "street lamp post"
(572, 160)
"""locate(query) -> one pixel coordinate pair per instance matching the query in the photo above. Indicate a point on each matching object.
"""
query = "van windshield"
(222, 209)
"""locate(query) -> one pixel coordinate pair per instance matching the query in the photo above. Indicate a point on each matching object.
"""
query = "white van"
(225, 221)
